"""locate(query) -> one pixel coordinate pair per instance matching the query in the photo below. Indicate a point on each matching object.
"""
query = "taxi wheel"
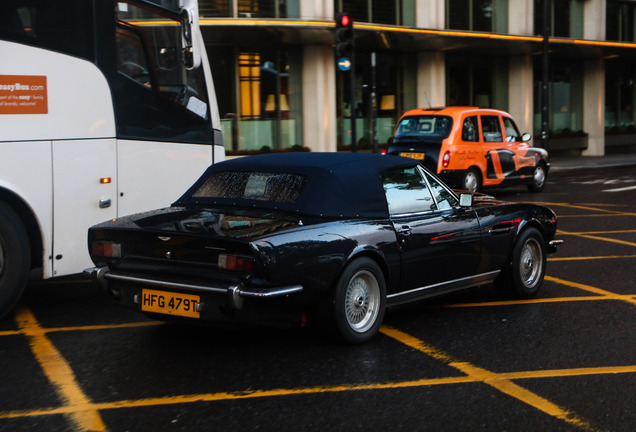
(14, 259)
(471, 180)
(359, 301)
(523, 276)
(539, 178)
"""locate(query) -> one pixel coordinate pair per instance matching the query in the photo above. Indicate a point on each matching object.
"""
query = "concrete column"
(312, 9)
(520, 92)
(594, 106)
(521, 17)
(319, 98)
(594, 13)
(430, 14)
(431, 79)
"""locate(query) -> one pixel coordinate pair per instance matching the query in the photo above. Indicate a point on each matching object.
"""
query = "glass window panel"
(407, 192)
(445, 198)
(384, 11)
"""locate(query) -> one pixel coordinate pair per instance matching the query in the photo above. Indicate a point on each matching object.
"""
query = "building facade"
(279, 86)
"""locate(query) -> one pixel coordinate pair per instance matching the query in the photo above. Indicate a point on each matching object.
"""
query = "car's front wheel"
(359, 302)
(539, 178)
(523, 276)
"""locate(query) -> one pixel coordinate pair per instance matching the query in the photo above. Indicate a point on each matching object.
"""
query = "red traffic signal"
(344, 35)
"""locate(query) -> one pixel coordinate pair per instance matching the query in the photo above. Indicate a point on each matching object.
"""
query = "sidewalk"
(564, 165)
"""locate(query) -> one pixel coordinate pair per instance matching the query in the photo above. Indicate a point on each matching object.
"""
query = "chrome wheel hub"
(539, 176)
(361, 301)
(531, 263)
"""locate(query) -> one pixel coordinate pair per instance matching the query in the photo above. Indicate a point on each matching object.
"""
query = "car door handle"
(405, 231)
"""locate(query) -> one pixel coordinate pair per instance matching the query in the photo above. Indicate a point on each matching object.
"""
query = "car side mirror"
(526, 137)
(466, 200)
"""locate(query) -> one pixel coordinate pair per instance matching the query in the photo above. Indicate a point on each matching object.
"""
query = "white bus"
(107, 107)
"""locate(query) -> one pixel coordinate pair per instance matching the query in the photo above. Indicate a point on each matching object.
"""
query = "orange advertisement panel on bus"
(23, 94)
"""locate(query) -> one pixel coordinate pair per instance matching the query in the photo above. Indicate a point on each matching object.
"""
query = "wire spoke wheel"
(362, 300)
(531, 263)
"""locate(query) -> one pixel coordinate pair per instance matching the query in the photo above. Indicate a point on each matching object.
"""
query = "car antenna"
(427, 101)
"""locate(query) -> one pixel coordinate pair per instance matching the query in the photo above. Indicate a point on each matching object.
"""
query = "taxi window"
(512, 133)
(406, 191)
(491, 129)
(469, 129)
(425, 126)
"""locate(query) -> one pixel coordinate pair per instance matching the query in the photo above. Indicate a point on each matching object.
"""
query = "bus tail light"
(236, 263)
(446, 159)
(106, 249)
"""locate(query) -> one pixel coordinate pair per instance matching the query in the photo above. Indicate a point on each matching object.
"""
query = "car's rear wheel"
(471, 180)
(539, 178)
(14, 259)
(524, 274)
(359, 302)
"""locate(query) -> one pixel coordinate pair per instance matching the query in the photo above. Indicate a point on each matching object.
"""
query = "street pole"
(374, 107)
(545, 88)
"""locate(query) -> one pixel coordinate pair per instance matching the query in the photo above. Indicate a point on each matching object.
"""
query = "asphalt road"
(564, 361)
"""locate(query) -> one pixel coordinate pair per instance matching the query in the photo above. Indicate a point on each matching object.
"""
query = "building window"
(477, 81)
(566, 18)
(249, 8)
(395, 89)
(264, 112)
(394, 12)
(477, 15)
(620, 96)
(566, 97)
(620, 21)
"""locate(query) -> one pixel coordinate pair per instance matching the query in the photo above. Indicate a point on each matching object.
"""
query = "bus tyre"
(14, 259)
(360, 298)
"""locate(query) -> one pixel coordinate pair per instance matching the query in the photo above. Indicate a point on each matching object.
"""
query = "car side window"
(407, 192)
(491, 128)
(469, 129)
(512, 133)
(445, 198)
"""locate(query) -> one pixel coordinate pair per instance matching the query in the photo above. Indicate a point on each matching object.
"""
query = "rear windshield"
(425, 126)
(274, 187)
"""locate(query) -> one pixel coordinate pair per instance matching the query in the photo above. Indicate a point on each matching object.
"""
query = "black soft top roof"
(337, 184)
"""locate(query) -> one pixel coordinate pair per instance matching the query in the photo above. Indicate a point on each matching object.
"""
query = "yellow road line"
(59, 373)
(611, 240)
(254, 394)
(629, 298)
(583, 258)
(492, 379)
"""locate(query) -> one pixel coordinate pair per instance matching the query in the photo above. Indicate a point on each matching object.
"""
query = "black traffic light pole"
(345, 52)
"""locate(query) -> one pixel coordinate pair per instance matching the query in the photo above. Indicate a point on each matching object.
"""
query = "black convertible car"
(328, 238)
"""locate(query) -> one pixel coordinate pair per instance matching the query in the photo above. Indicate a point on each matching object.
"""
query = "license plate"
(418, 156)
(169, 303)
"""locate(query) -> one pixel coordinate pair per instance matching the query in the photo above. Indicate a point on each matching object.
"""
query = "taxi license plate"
(169, 303)
(418, 156)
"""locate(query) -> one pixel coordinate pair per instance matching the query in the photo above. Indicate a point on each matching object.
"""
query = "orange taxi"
(470, 147)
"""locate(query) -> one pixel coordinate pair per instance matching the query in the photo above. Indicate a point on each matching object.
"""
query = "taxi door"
(500, 155)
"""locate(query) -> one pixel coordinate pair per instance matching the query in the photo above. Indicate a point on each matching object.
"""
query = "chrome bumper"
(236, 293)
(552, 246)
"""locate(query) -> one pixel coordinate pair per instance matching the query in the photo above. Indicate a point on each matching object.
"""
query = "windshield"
(424, 127)
(150, 51)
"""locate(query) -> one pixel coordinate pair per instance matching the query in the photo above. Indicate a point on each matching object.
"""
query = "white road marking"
(621, 189)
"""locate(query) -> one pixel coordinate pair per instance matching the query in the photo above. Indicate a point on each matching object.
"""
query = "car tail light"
(446, 159)
(236, 263)
(106, 249)
(383, 151)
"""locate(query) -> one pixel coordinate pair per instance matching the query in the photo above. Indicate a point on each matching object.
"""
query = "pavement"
(566, 164)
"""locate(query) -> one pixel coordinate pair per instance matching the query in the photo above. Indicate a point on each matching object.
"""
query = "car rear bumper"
(229, 299)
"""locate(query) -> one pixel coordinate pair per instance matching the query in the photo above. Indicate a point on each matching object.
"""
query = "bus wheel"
(14, 259)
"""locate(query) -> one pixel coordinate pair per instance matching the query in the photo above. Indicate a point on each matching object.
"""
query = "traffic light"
(344, 35)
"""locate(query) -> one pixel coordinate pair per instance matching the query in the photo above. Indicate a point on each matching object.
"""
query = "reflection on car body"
(329, 239)
(470, 147)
